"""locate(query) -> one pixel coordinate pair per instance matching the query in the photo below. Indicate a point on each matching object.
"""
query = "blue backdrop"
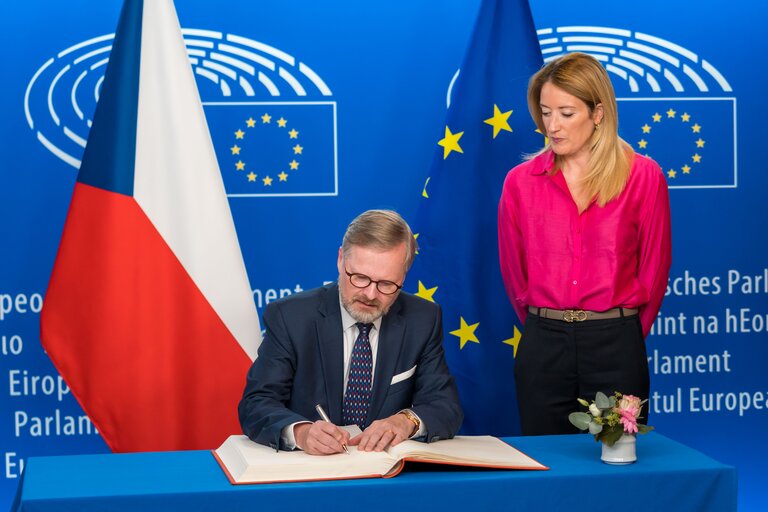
(365, 87)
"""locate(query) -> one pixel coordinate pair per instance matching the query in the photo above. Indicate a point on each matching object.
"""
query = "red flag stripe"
(123, 321)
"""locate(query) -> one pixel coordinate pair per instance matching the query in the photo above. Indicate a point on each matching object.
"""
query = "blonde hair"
(583, 76)
(383, 229)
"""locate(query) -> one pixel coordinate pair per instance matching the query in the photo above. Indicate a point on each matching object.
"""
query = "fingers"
(376, 440)
(379, 435)
(325, 438)
(386, 439)
(397, 439)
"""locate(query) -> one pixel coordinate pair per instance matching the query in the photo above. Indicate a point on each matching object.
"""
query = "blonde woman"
(585, 249)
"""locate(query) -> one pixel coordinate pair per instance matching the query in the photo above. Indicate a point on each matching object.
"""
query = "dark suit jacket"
(300, 364)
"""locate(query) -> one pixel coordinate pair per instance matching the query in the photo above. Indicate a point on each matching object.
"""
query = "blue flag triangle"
(109, 157)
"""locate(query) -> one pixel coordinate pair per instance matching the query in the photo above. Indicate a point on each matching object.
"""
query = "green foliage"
(602, 402)
(604, 417)
(611, 436)
(595, 428)
(580, 420)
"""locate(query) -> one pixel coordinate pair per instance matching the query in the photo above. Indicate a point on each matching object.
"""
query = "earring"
(597, 125)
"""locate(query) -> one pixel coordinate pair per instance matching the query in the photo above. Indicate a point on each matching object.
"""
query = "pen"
(324, 416)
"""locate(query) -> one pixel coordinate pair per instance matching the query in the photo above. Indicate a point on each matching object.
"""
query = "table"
(667, 476)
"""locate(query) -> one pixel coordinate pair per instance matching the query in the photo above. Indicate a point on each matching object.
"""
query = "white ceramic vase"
(622, 452)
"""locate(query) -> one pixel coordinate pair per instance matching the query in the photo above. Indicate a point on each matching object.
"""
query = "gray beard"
(363, 316)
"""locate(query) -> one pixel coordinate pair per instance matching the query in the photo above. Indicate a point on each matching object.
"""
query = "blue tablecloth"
(667, 476)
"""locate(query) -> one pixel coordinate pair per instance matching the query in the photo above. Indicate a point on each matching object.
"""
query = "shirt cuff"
(287, 437)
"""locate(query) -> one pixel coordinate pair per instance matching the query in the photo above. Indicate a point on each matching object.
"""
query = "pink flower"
(629, 419)
(630, 402)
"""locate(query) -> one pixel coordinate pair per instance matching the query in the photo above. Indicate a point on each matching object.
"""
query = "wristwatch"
(412, 418)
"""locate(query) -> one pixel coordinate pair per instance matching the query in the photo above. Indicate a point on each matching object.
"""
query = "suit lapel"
(390, 344)
(330, 341)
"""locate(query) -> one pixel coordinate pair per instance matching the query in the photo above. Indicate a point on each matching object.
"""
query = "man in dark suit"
(365, 351)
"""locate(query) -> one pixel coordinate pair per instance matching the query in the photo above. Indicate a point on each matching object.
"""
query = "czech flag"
(149, 315)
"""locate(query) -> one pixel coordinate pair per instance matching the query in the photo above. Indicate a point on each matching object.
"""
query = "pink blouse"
(615, 256)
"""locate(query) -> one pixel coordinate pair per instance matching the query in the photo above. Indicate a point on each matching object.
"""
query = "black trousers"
(558, 362)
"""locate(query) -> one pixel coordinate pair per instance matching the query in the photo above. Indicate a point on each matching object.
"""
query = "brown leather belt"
(580, 315)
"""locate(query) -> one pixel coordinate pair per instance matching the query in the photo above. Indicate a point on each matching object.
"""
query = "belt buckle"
(574, 315)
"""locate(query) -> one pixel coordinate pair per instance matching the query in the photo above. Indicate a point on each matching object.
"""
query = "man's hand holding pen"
(321, 438)
(324, 438)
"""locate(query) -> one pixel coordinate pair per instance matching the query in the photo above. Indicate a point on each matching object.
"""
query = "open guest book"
(246, 462)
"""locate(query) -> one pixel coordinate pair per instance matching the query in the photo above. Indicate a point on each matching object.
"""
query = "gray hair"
(383, 229)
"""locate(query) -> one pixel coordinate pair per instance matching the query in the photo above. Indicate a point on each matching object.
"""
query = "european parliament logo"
(674, 106)
(272, 117)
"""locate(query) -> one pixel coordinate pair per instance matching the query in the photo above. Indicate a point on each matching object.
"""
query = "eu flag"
(695, 138)
(486, 133)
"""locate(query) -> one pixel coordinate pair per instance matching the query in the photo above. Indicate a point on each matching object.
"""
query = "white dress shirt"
(350, 332)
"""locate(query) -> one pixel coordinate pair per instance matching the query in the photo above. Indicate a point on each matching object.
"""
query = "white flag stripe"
(177, 179)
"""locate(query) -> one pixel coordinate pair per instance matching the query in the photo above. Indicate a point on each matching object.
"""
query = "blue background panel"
(387, 67)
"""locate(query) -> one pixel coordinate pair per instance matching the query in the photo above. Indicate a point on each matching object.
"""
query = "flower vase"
(622, 452)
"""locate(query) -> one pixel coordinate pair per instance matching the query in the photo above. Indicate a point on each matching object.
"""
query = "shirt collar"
(543, 163)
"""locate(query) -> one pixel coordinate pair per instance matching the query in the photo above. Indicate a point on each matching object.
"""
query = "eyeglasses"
(363, 281)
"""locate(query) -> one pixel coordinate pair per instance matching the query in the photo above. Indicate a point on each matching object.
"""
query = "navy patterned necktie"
(358, 395)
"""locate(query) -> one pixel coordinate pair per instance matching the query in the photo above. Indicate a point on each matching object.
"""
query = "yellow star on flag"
(250, 122)
(416, 237)
(700, 143)
(235, 149)
(450, 142)
(240, 165)
(297, 149)
(671, 113)
(267, 181)
(686, 169)
(294, 165)
(281, 122)
(696, 128)
(499, 121)
(642, 144)
(696, 158)
(266, 118)
(656, 117)
(514, 341)
(251, 176)
(239, 134)
(426, 293)
(466, 333)
(293, 133)
(283, 176)
(685, 117)
(646, 128)
(671, 173)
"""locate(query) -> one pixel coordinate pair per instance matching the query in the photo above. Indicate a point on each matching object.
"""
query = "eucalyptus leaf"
(580, 420)
(595, 428)
(602, 401)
